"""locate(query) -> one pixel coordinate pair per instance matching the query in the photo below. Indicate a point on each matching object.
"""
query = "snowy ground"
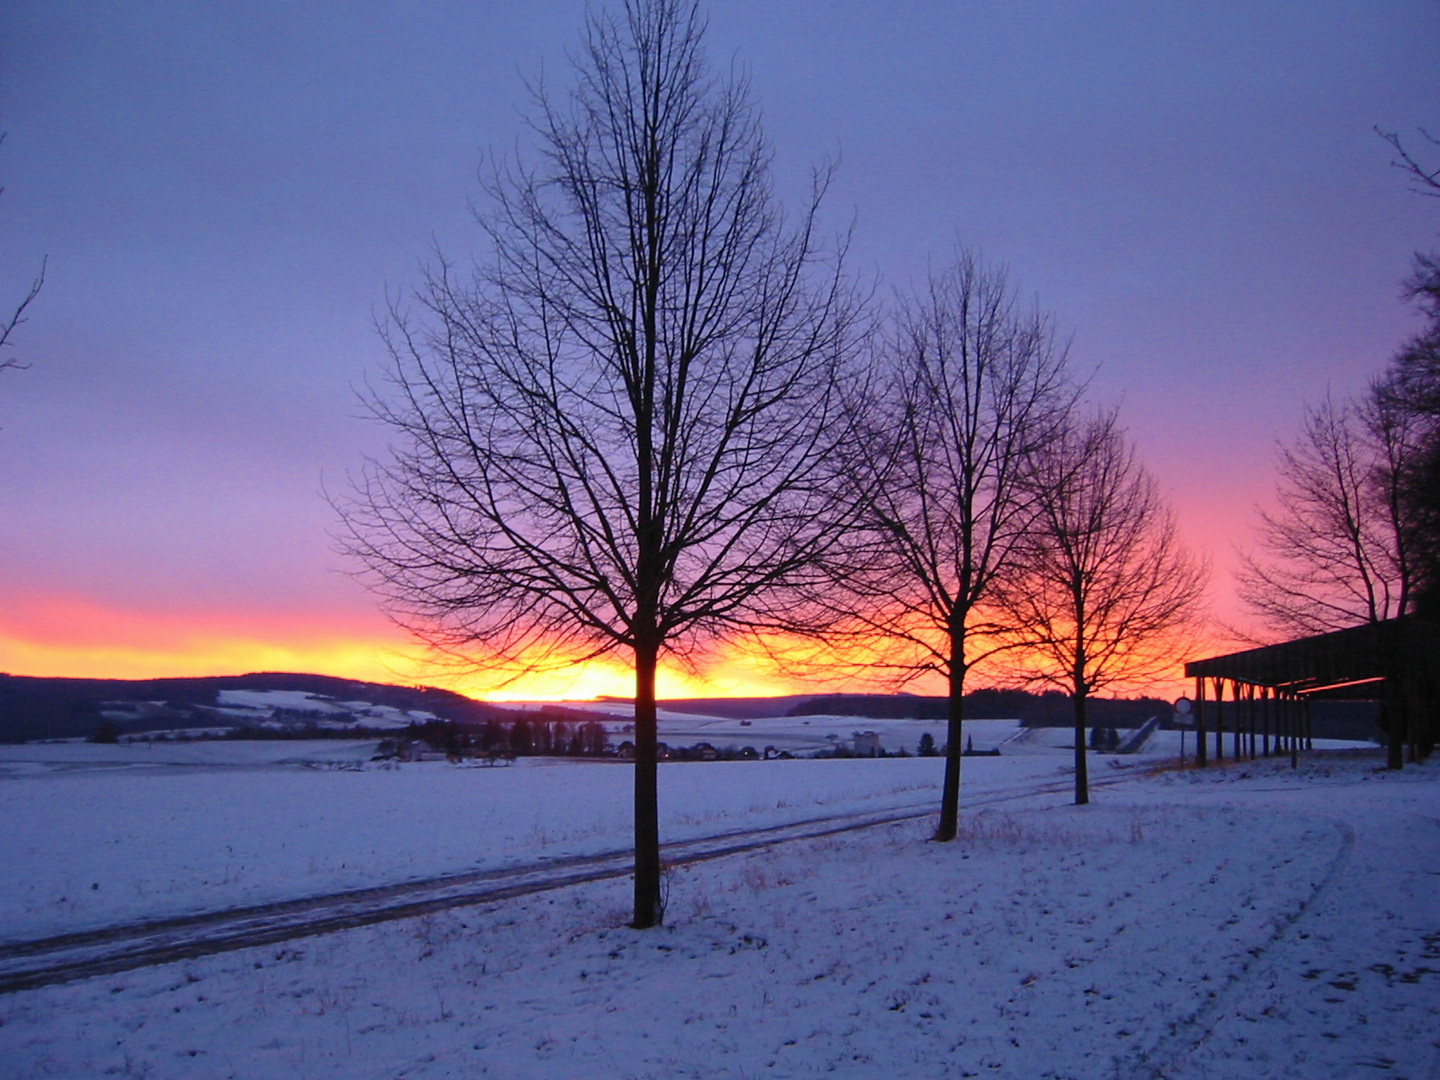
(107, 834)
(1238, 923)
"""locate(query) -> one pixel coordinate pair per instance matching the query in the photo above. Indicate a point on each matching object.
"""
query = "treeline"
(1051, 708)
(524, 737)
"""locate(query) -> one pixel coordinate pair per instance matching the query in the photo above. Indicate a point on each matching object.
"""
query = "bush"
(106, 732)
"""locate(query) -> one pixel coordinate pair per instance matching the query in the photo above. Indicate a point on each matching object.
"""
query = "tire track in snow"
(68, 957)
(1188, 1035)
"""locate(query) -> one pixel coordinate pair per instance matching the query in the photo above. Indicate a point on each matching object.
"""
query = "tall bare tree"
(1354, 536)
(1410, 389)
(1335, 553)
(611, 438)
(1412, 386)
(1106, 585)
(975, 382)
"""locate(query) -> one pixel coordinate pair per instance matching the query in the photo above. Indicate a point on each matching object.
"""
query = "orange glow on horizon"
(67, 637)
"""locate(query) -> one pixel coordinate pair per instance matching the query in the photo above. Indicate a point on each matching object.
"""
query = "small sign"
(1183, 716)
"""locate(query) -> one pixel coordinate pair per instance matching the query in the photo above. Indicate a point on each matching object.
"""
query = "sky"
(224, 195)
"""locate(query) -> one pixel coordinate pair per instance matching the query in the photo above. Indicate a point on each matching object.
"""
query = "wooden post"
(1272, 707)
(1295, 740)
(1200, 761)
(1219, 721)
(1242, 733)
(1237, 735)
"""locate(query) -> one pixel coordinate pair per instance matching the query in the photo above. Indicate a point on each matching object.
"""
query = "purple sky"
(225, 191)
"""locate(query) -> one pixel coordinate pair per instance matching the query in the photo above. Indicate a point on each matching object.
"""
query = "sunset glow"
(71, 637)
(68, 636)
(74, 638)
(186, 397)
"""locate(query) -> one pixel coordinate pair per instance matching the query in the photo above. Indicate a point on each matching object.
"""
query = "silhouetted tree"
(1106, 584)
(612, 437)
(1410, 389)
(105, 732)
(493, 734)
(1356, 536)
(973, 383)
(594, 738)
(1335, 553)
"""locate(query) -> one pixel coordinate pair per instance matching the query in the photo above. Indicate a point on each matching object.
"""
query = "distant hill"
(751, 708)
(45, 708)
(287, 705)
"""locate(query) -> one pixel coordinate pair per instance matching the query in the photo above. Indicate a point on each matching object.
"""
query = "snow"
(258, 708)
(115, 833)
(296, 700)
(1241, 922)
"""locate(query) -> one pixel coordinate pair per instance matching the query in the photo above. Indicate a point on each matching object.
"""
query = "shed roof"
(1345, 663)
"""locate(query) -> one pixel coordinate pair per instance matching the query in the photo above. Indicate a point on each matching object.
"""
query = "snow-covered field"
(108, 834)
(1241, 922)
(797, 734)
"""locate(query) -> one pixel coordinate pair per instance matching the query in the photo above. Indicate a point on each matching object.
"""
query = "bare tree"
(1106, 585)
(9, 362)
(1411, 388)
(976, 383)
(1335, 552)
(611, 439)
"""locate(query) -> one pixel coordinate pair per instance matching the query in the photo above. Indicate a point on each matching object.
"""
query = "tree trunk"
(950, 793)
(648, 910)
(1082, 777)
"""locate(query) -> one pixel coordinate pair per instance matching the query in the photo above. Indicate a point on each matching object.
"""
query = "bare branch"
(11, 362)
(1108, 593)
(616, 436)
(1427, 180)
(1334, 553)
(972, 382)
(16, 318)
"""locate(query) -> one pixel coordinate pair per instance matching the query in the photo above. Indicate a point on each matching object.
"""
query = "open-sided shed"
(1395, 662)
